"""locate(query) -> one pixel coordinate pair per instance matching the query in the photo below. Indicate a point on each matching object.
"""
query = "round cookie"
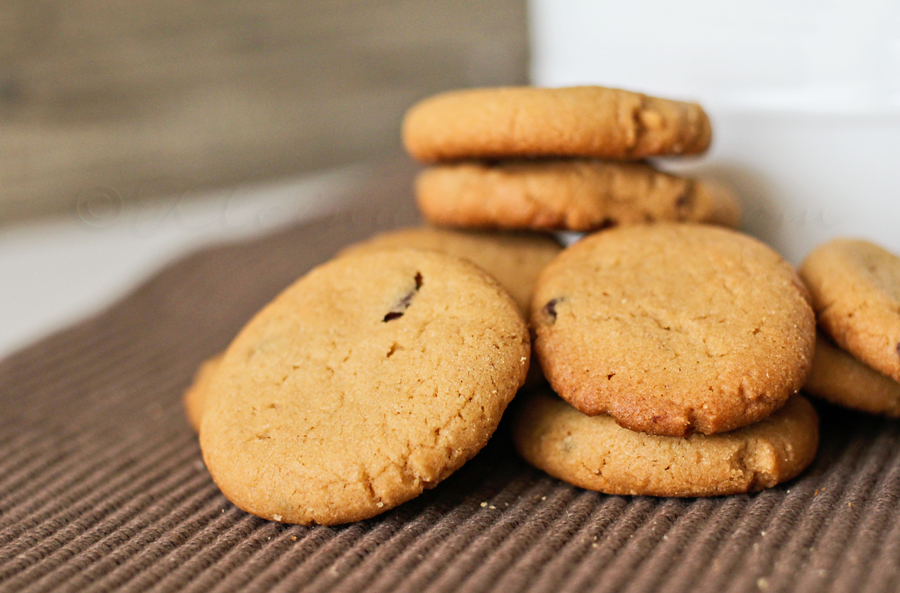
(843, 380)
(195, 395)
(513, 259)
(594, 452)
(528, 122)
(370, 379)
(673, 328)
(855, 289)
(575, 194)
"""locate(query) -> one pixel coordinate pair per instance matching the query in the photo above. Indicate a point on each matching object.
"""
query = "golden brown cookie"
(567, 194)
(843, 380)
(370, 379)
(594, 452)
(672, 328)
(513, 259)
(195, 395)
(855, 288)
(527, 122)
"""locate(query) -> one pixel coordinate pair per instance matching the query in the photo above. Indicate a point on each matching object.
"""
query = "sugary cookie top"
(855, 289)
(528, 121)
(368, 380)
(673, 328)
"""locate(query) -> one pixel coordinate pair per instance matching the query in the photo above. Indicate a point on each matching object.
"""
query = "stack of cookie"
(678, 348)
(855, 288)
(530, 158)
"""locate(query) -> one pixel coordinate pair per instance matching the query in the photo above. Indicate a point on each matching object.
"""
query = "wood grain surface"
(127, 100)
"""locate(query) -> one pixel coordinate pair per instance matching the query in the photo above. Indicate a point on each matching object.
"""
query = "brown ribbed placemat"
(102, 486)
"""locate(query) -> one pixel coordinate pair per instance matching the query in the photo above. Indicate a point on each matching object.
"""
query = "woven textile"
(102, 486)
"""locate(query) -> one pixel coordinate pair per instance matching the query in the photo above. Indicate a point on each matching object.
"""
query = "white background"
(804, 98)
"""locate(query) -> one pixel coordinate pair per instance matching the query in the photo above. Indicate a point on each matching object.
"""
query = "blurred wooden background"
(144, 97)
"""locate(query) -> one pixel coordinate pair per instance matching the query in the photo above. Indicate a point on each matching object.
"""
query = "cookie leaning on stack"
(367, 381)
(513, 259)
(855, 288)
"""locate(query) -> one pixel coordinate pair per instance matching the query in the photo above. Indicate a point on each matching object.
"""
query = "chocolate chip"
(684, 201)
(898, 348)
(606, 223)
(406, 301)
(550, 308)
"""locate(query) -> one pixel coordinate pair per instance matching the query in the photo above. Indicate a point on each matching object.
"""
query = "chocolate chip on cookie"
(673, 328)
(327, 408)
(513, 259)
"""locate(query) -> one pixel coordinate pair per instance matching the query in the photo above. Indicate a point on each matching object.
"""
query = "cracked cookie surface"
(594, 452)
(370, 379)
(673, 328)
(855, 289)
(567, 194)
(529, 122)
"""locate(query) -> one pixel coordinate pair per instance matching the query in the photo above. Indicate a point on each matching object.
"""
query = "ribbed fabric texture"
(102, 486)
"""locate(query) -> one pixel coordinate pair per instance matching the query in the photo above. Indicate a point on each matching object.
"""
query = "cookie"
(529, 122)
(594, 452)
(673, 328)
(855, 288)
(370, 379)
(843, 380)
(195, 395)
(513, 259)
(575, 194)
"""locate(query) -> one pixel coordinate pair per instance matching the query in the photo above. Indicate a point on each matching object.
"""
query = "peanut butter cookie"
(673, 328)
(838, 377)
(575, 195)
(584, 121)
(370, 379)
(594, 452)
(855, 288)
